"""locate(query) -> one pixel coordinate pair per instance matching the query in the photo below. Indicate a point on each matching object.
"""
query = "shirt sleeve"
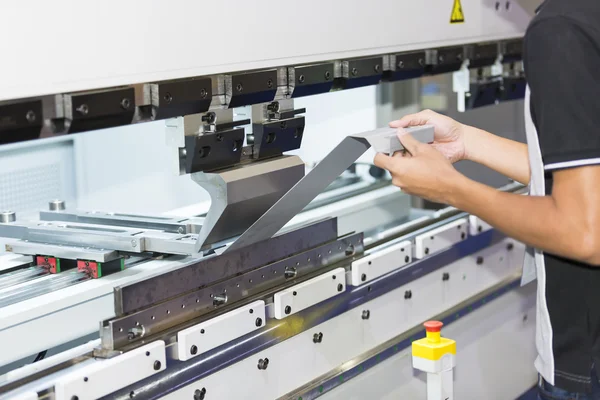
(562, 65)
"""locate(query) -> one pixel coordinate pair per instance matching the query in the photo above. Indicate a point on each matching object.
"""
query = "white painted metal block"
(381, 262)
(477, 225)
(25, 396)
(103, 377)
(441, 238)
(309, 293)
(217, 331)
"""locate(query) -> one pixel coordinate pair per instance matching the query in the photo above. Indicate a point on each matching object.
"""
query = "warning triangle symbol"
(457, 16)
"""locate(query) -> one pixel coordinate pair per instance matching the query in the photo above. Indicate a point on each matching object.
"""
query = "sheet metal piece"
(166, 224)
(61, 251)
(240, 195)
(211, 269)
(383, 140)
(123, 331)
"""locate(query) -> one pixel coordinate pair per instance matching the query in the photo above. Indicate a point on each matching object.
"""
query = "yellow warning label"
(457, 16)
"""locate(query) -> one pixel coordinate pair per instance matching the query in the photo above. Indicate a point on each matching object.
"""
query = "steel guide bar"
(154, 290)
(182, 373)
(155, 319)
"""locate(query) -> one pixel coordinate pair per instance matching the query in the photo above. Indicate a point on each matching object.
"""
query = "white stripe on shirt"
(569, 164)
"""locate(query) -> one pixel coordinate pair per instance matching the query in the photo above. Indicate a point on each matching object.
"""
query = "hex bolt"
(354, 72)
(194, 350)
(157, 365)
(318, 337)
(290, 273)
(408, 294)
(288, 310)
(301, 79)
(200, 394)
(366, 314)
(136, 332)
(56, 205)
(263, 364)
(400, 64)
(209, 118)
(445, 276)
(327, 75)
(219, 299)
(258, 322)
(376, 68)
(350, 250)
(273, 107)
(126, 103)
(203, 93)
(239, 87)
(30, 116)
(8, 216)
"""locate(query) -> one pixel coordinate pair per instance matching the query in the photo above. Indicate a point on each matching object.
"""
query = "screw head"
(366, 314)
(363, 277)
(377, 68)
(200, 394)
(340, 287)
(83, 109)
(239, 87)
(270, 83)
(288, 310)
(203, 93)
(126, 103)
(301, 79)
(406, 259)
(400, 64)
(194, 350)
(157, 365)
(327, 75)
(445, 276)
(510, 246)
(408, 294)
(30, 116)
(354, 72)
(263, 364)
(426, 250)
(259, 322)
(479, 260)
(168, 98)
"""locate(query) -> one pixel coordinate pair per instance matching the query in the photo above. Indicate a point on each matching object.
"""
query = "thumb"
(409, 142)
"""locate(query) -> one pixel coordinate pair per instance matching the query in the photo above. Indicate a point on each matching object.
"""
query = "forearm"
(534, 220)
(505, 156)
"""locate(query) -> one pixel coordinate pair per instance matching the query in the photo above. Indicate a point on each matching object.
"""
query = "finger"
(420, 118)
(409, 142)
(382, 161)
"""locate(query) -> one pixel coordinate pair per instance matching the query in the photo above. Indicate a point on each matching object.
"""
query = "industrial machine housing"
(295, 284)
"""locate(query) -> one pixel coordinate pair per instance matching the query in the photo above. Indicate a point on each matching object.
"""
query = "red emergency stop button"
(433, 326)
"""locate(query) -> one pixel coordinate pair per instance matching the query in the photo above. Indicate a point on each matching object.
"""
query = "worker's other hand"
(421, 170)
(448, 137)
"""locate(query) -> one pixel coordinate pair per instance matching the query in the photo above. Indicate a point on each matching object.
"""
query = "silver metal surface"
(117, 333)
(211, 269)
(101, 237)
(8, 216)
(240, 195)
(319, 178)
(21, 276)
(42, 285)
(56, 205)
(166, 224)
(62, 251)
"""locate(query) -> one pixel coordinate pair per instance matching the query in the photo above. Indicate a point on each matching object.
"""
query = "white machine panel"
(113, 374)
(350, 335)
(477, 225)
(441, 238)
(168, 34)
(381, 262)
(309, 293)
(26, 396)
(200, 338)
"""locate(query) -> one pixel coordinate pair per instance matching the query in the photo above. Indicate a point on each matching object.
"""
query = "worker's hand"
(448, 137)
(422, 170)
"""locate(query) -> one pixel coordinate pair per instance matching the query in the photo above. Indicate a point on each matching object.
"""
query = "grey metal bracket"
(384, 140)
